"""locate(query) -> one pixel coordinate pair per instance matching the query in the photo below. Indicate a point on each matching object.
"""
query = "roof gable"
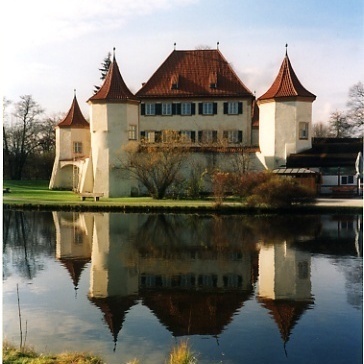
(287, 84)
(194, 73)
(74, 117)
(114, 87)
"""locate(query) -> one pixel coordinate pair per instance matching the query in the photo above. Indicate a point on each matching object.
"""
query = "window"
(207, 108)
(149, 109)
(150, 136)
(186, 108)
(207, 136)
(77, 147)
(166, 109)
(303, 130)
(132, 132)
(233, 136)
(187, 136)
(169, 136)
(233, 108)
(347, 180)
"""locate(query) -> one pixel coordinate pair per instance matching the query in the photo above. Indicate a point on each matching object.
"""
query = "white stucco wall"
(279, 123)
(110, 125)
(267, 131)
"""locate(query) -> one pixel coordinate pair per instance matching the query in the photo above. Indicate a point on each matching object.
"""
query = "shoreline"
(321, 205)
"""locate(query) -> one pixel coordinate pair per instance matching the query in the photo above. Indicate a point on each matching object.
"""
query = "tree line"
(28, 140)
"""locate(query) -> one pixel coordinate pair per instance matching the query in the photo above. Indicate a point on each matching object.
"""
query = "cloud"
(40, 22)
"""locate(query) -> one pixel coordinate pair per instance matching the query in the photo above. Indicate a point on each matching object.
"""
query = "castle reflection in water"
(195, 272)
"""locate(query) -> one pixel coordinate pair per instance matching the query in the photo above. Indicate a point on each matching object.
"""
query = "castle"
(195, 93)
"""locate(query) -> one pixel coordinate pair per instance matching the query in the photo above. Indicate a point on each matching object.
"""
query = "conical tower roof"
(114, 87)
(74, 117)
(287, 84)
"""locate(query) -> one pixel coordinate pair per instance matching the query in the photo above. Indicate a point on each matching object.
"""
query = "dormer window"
(174, 82)
(213, 80)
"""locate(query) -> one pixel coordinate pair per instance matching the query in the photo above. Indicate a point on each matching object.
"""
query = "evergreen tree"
(105, 65)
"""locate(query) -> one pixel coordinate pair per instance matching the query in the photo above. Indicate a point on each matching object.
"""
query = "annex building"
(197, 94)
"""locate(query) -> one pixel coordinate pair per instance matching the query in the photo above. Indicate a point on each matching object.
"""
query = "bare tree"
(321, 130)
(157, 166)
(22, 138)
(356, 106)
(339, 124)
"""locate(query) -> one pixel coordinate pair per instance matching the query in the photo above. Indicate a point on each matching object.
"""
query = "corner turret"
(285, 117)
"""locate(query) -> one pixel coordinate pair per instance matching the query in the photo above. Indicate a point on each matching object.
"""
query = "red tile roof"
(194, 73)
(286, 84)
(74, 118)
(114, 87)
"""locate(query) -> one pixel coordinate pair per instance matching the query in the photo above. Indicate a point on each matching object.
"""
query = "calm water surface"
(241, 289)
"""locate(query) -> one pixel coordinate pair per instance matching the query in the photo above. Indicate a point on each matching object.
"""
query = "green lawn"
(37, 193)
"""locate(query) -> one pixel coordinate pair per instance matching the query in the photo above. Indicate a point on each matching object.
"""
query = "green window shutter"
(200, 136)
(158, 109)
(193, 136)
(142, 135)
(193, 108)
(215, 108)
(225, 107)
(200, 108)
(240, 108)
(142, 109)
(240, 136)
(214, 136)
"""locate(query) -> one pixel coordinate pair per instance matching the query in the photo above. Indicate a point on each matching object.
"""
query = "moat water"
(240, 289)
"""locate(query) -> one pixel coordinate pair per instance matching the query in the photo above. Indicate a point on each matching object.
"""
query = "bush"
(278, 191)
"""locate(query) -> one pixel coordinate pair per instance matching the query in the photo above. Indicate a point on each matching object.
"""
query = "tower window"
(77, 147)
(303, 130)
(132, 132)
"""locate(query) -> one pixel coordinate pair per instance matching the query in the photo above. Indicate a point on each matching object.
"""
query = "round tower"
(72, 149)
(114, 122)
(285, 117)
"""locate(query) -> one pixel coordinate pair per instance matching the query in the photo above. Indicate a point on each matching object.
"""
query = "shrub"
(221, 184)
(278, 191)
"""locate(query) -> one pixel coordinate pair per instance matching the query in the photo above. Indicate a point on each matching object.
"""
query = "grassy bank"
(35, 195)
(180, 354)
(13, 355)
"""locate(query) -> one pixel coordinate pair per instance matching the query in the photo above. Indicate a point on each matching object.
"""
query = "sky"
(51, 48)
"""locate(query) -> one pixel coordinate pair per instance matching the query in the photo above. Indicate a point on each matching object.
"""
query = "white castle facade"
(195, 93)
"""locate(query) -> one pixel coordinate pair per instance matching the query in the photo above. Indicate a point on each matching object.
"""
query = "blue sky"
(52, 47)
